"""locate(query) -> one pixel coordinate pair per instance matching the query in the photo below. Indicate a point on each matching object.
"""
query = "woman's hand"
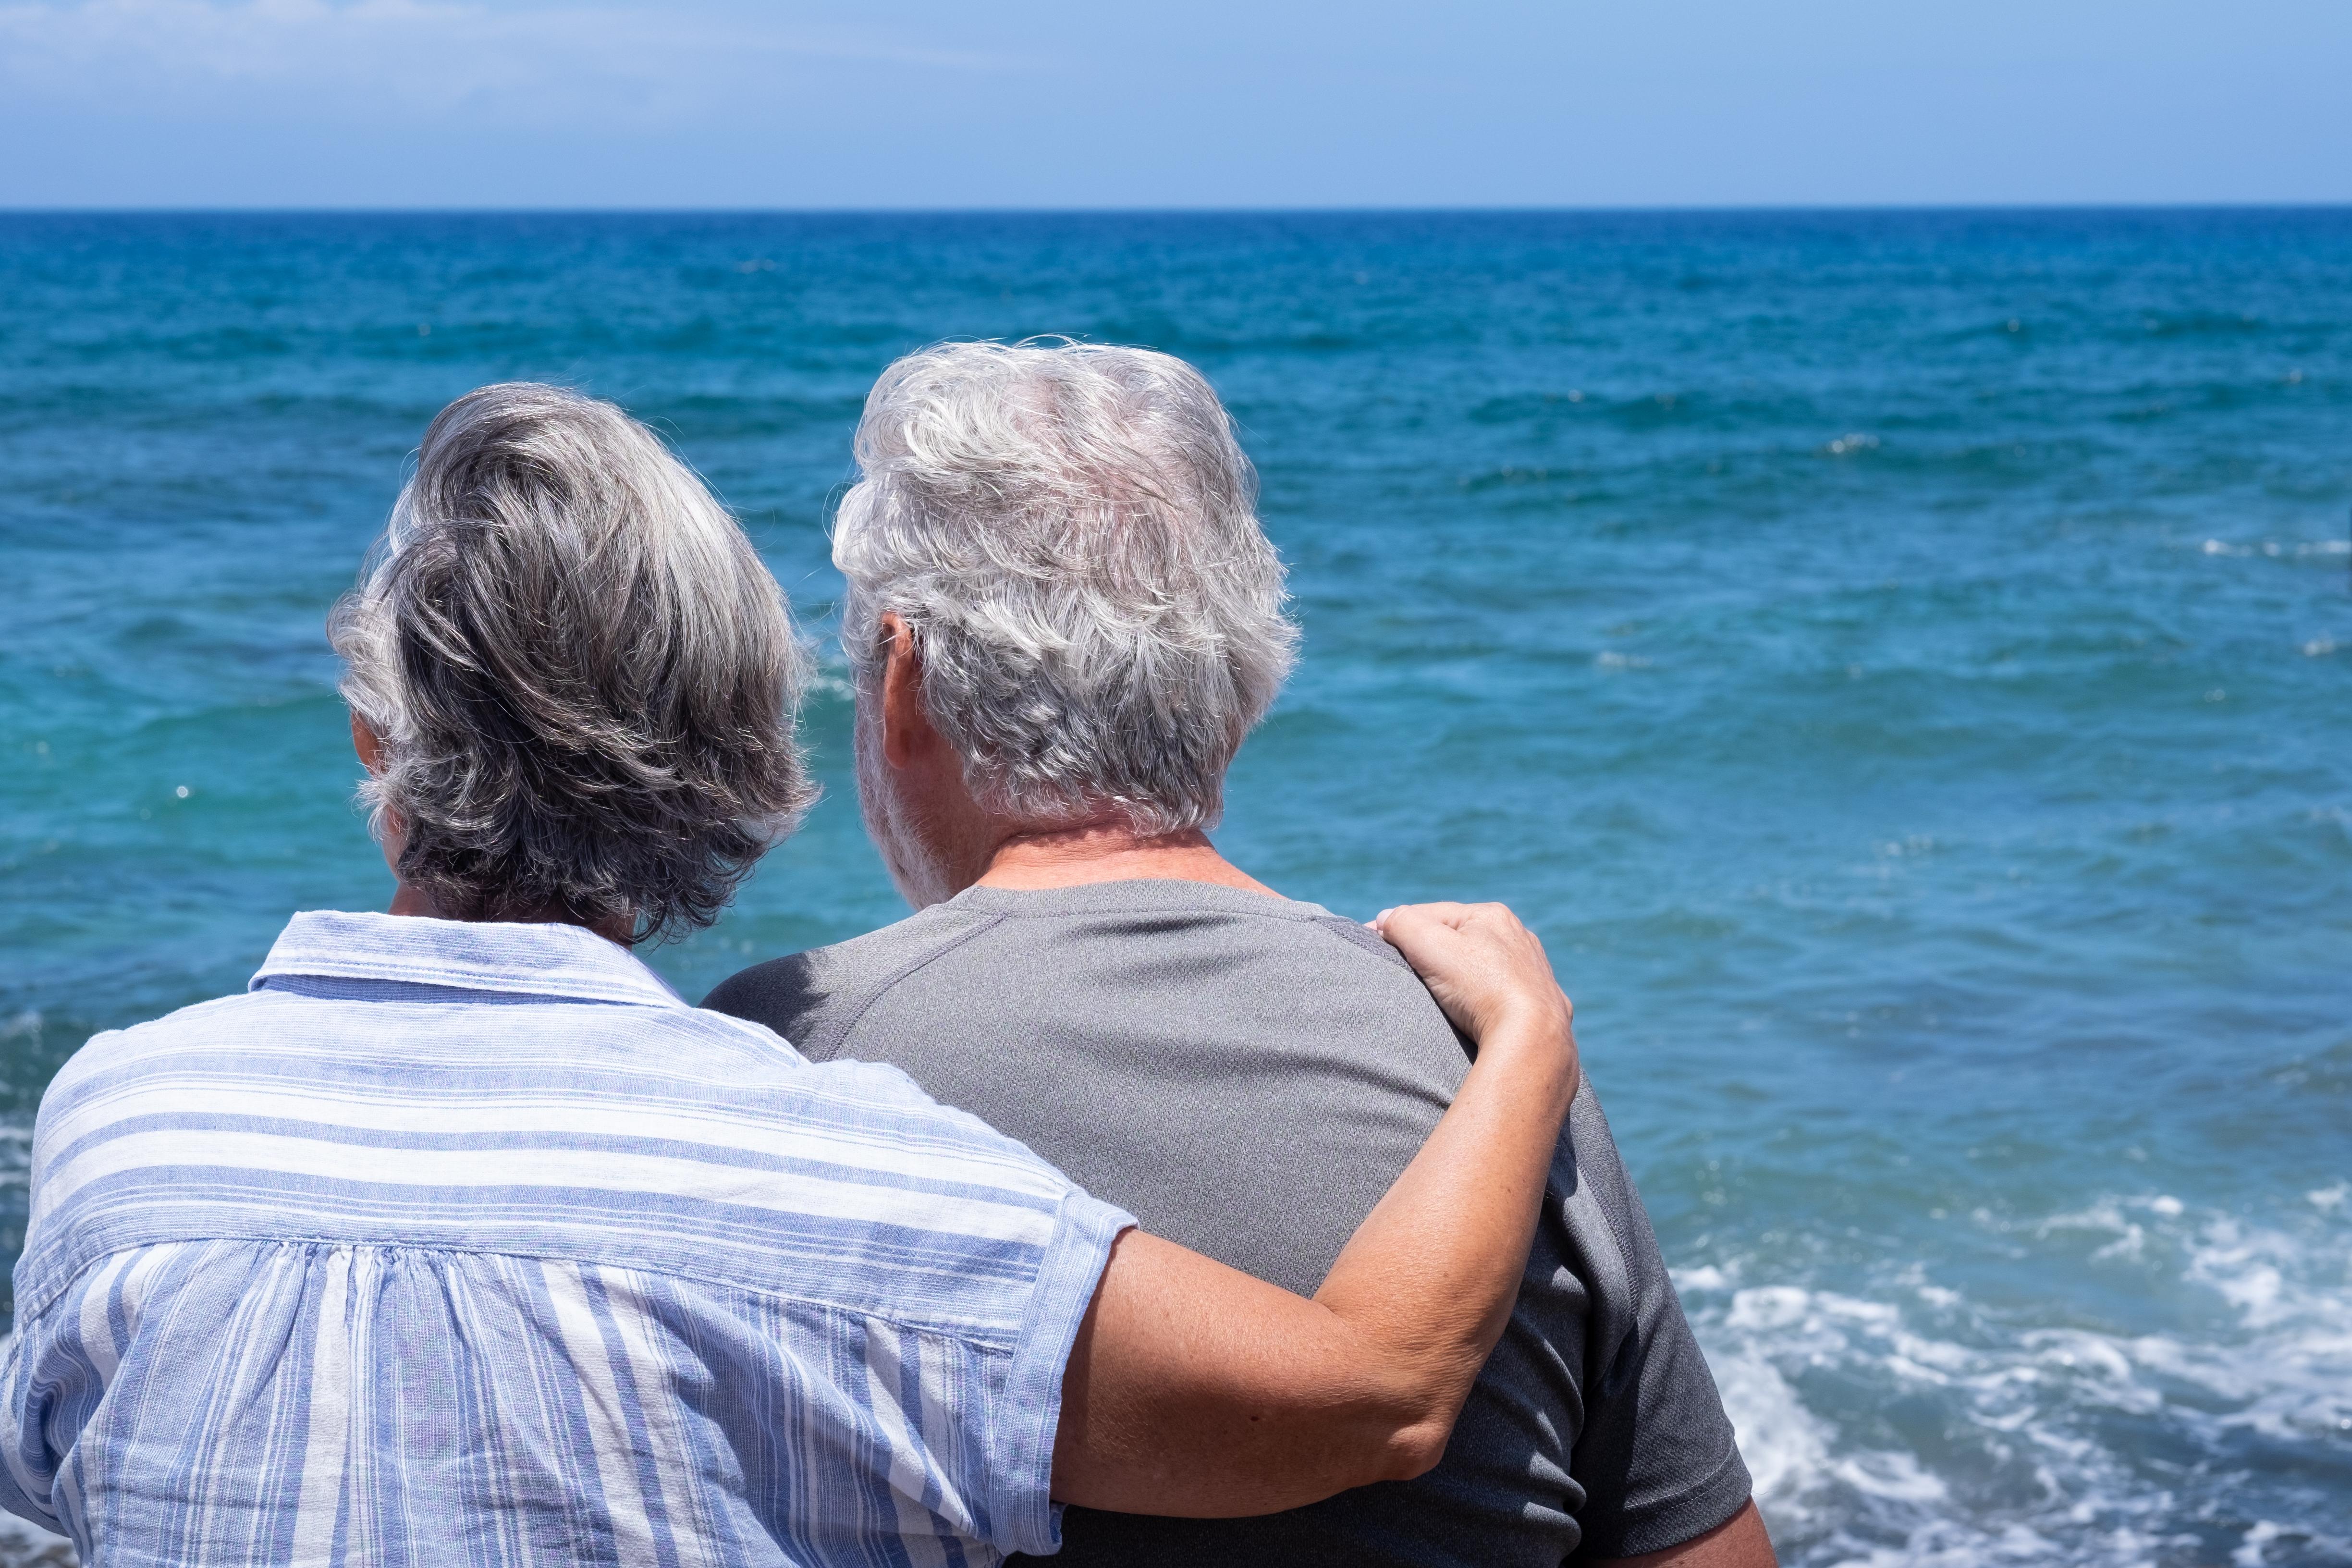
(1488, 971)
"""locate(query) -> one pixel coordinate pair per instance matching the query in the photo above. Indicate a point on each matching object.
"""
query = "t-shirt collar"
(1132, 895)
(537, 960)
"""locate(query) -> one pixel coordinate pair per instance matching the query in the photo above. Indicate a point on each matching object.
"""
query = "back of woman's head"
(581, 674)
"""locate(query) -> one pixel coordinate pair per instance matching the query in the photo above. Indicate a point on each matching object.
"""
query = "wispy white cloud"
(374, 56)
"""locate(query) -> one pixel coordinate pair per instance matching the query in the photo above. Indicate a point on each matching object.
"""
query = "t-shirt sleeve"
(1656, 1457)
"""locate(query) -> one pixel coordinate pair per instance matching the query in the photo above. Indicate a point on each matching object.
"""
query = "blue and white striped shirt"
(472, 1244)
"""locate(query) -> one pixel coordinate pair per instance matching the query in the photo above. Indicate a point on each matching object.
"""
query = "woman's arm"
(1195, 1390)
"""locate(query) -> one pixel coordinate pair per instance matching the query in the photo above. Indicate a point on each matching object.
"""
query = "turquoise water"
(1900, 662)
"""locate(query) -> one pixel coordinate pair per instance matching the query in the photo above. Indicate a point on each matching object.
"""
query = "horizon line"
(1332, 210)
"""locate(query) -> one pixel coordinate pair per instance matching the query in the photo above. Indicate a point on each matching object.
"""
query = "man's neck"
(1073, 857)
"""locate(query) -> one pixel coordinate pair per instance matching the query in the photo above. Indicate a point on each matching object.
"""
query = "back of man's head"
(1070, 533)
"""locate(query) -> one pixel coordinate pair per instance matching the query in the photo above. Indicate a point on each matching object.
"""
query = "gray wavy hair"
(583, 677)
(1070, 532)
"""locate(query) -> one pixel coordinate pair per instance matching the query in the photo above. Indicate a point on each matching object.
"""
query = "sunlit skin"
(959, 844)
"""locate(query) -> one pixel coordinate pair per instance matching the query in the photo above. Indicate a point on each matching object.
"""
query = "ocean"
(1900, 662)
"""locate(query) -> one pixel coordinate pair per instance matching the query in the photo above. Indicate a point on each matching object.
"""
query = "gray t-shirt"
(1247, 1076)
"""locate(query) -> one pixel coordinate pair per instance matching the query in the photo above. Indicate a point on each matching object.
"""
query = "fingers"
(1449, 914)
(1479, 961)
(1427, 934)
(1488, 921)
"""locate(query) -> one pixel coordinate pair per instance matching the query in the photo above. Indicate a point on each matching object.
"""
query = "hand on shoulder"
(1488, 971)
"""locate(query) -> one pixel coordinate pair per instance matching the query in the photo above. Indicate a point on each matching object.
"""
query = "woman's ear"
(365, 741)
(391, 833)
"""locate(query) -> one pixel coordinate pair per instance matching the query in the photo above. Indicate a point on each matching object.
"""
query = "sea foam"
(1906, 1422)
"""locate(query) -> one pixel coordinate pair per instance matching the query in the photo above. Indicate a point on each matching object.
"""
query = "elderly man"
(458, 1238)
(1063, 617)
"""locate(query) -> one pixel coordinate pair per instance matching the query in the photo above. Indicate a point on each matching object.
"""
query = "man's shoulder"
(810, 997)
(814, 998)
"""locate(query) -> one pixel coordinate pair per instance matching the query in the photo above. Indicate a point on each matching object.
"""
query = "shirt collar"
(537, 960)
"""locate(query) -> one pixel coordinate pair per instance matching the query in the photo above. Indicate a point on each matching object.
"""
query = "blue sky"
(1089, 103)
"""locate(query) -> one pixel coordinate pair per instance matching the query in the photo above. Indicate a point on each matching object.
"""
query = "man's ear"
(906, 728)
(366, 742)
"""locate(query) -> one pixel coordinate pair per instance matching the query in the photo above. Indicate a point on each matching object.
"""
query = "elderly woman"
(459, 1238)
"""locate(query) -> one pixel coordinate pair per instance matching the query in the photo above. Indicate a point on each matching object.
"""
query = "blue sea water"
(1899, 661)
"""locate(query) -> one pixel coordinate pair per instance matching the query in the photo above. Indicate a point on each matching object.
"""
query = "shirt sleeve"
(1021, 1449)
(966, 1417)
(28, 1469)
(1656, 1457)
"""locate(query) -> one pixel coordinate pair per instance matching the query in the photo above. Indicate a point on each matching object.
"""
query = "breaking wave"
(1907, 1421)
